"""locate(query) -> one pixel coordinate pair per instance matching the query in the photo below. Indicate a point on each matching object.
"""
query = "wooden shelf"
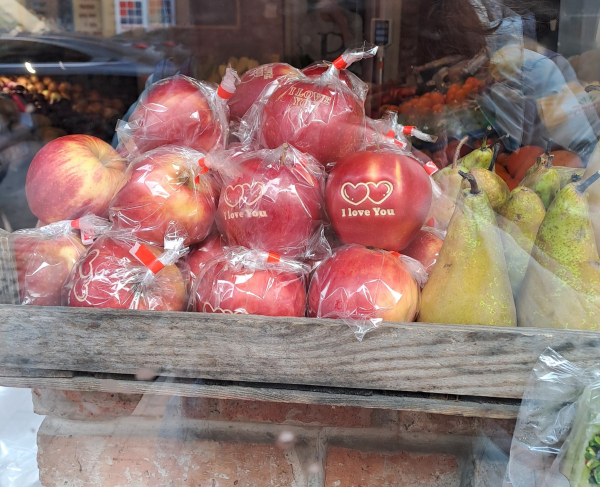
(484, 369)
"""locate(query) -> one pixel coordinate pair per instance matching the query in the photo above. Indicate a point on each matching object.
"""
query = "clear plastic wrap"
(560, 403)
(166, 186)
(45, 257)
(358, 86)
(252, 84)
(199, 255)
(425, 247)
(378, 198)
(180, 111)
(71, 176)
(275, 202)
(319, 116)
(119, 272)
(244, 281)
(365, 287)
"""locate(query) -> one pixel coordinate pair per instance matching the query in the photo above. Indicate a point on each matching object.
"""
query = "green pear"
(561, 288)
(543, 179)
(469, 283)
(493, 185)
(481, 157)
(448, 180)
(519, 220)
(568, 174)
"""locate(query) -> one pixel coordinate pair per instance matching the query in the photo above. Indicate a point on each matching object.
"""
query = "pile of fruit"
(314, 210)
(65, 106)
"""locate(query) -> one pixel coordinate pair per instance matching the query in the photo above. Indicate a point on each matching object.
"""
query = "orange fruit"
(566, 158)
(437, 108)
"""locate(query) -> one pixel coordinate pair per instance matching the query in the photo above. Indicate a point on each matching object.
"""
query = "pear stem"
(284, 153)
(549, 161)
(485, 136)
(590, 88)
(548, 147)
(581, 187)
(469, 177)
(494, 156)
(462, 142)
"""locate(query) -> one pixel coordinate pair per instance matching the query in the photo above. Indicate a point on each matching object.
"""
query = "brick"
(106, 460)
(83, 405)
(439, 424)
(231, 410)
(352, 468)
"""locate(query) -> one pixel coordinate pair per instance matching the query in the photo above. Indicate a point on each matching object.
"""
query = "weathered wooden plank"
(266, 394)
(447, 359)
(9, 286)
(24, 372)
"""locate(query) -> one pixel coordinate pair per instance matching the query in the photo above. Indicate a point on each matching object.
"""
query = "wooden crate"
(449, 369)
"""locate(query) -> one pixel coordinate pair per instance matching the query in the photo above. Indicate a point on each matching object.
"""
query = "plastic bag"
(201, 254)
(45, 257)
(252, 84)
(358, 86)
(119, 272)
(180, 111)
(319, 116)
(166, 186)
(555, 399)
(275, 203)
(255, 282)
(365, 286)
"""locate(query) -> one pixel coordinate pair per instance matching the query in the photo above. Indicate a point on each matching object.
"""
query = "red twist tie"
(396, 254)
(391, 134)
(430, 168)
(203, 170)
(146, 257)
(340, 64)
(273, 258)
(223, 93)
(75, 224)
(407, 130)
(430, 222)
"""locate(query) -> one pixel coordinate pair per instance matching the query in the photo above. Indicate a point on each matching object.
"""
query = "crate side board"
(443, 359)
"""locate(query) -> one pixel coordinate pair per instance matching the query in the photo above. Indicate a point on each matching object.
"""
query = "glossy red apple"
(174, 111)
(320, 118)
(109, 276)
(226, 288)
(71, 176)
(425, 248)
(276, 204)
(203, 252)
(360, 283)
(162, 192)
(317, 69)
(378, 199)
(252, 84)
(44, 258)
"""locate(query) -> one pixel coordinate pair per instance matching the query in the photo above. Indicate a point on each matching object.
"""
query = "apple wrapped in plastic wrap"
(244, 281)
(213, 246)
(180, 111)
(119, 272)
(358, 86)
(275, 203)
(164, 186)
(365, 287)
(45, 256)
(319, 116)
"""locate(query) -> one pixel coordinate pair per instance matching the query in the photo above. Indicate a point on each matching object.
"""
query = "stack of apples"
(251, 216)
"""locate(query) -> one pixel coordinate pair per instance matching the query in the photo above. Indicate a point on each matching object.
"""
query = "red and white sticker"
(340, 64)
(392, 135)
(273, 258)
(430, 168)
(146, 257)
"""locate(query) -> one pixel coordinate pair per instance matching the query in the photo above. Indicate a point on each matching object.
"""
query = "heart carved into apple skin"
(378, 199)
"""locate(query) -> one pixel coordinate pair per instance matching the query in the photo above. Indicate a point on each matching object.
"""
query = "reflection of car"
(72, 55)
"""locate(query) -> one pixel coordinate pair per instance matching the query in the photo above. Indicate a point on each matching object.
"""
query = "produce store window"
(147, 14)
(38, 52)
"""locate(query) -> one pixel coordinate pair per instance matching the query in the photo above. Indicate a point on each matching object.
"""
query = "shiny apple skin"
(425, 248)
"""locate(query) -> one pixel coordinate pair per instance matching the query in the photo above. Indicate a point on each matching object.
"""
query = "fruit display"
(310, 208)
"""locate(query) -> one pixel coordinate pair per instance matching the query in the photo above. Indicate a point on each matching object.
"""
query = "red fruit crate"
(449, 369)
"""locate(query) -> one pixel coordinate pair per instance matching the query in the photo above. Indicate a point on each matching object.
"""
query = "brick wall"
(121, 440)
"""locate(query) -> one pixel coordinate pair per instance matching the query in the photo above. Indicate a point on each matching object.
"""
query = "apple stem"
(462, 142)
(377, 143)
(284, 153)
(494, 156)
(581, 187)
(472, 181)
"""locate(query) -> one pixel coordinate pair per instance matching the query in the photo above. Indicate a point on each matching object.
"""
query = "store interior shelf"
(396, 366)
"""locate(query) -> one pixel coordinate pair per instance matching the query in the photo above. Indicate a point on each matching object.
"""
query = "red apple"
(161, 192)
(276, 204)
(320, 118)
(226, 288)
(359, 283)
(317, 69)
(378, 199)
(44, 260)
(252, 84)
(425, 248)
(110, 277)
(203, 252)
(71, 176)
(174, 111)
